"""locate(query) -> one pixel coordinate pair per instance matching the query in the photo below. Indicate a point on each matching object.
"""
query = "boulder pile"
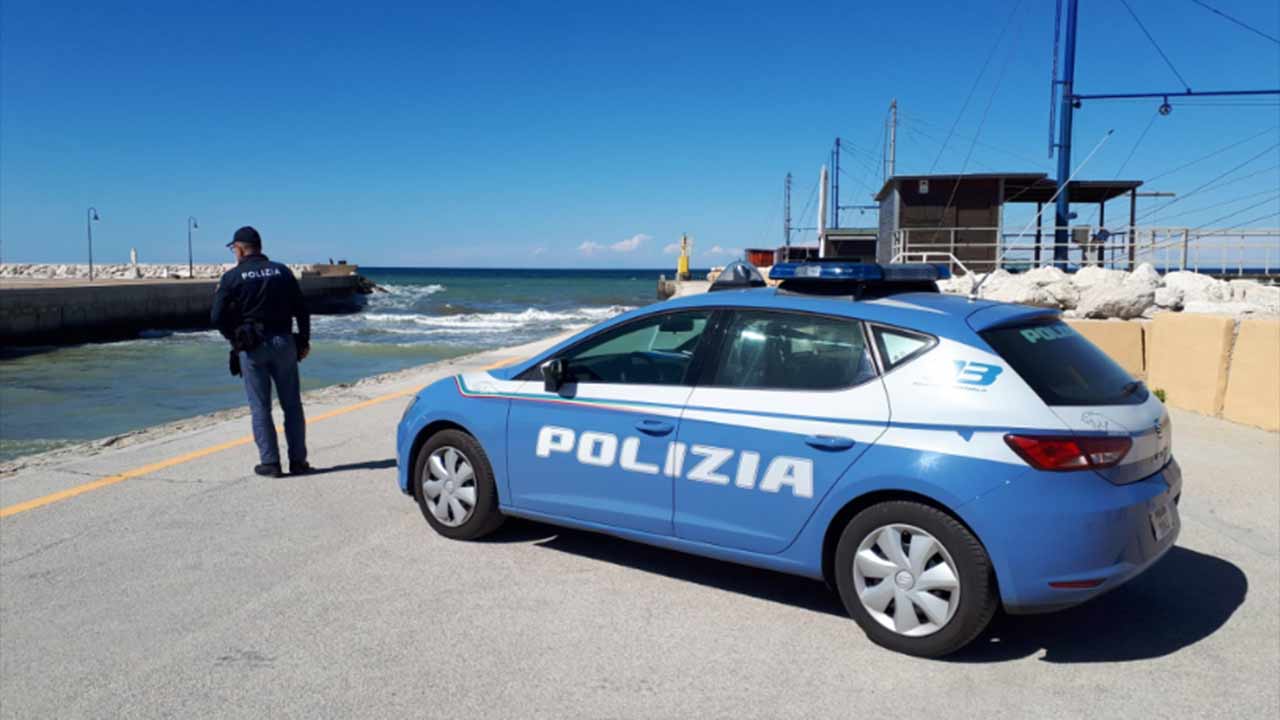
(1095, 292)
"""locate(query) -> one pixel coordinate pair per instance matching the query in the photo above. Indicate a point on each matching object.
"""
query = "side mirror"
(553, 372)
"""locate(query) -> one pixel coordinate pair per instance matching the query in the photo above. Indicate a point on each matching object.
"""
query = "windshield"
(1064, 368)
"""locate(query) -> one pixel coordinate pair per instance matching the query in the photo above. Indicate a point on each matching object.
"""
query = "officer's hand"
(303, 352)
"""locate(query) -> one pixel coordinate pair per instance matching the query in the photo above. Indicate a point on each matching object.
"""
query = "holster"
(249, 336)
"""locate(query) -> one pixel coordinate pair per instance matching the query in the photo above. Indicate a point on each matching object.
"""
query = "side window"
(654, 351)
(792, 351)
(899, 346)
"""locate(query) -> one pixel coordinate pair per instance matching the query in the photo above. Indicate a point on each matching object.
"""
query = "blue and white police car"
(932, 457)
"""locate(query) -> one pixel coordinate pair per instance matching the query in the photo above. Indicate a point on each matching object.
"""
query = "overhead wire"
(934, 139)
(845, 144)
(1212, 154)
(1242, 178)
(775, 212)
(1208, 184)
(1155, 44)
(1137, 144)
(913, 119)
(1127, 158)
(955, 187)
(972, 89)
(1241, 23)
(853, 151)
(1035, 219)
(813, 193)
(1216, 205)
(858, 180)
(1241, 211)
(1250, 221)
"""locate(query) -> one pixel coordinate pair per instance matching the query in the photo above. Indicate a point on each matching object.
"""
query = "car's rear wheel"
(915, 578)
(453, 483)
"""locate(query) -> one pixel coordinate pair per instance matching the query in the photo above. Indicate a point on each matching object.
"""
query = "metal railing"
(1229, 252)
(917, 256)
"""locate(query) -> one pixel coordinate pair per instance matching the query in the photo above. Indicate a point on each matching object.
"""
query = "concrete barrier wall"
(1123, 341)
(1187, 357)
(1253, 382)
(1204, 363)
(56, 313)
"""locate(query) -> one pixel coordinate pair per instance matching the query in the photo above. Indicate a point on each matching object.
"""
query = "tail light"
(1068, 452)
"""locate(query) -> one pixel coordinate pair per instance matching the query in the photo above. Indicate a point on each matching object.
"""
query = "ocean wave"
(492, 320)
(405, 298)
(415, 290)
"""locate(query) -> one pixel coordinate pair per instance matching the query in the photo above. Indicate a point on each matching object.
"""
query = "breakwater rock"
(1094, 292)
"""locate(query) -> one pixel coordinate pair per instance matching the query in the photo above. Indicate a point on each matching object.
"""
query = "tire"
(923, 616)
(442, 495)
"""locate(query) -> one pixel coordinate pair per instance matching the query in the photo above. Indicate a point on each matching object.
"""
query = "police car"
(932, 457)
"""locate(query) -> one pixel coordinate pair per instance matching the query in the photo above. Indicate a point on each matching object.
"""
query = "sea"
(53, 396)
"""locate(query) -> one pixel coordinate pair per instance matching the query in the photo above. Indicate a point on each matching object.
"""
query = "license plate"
(1162, 521)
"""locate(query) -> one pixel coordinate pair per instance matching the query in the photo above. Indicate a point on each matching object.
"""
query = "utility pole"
(786, 213)
(823, 184)
(893, 137)
(90, 217)
(1062, 212)
(192, 224)
(835, 185)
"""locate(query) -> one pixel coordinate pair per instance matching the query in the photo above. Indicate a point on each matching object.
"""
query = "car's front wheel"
(453, 483)
(915, 578)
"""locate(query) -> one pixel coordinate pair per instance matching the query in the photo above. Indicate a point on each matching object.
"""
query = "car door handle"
(829, 442)
(654, 427)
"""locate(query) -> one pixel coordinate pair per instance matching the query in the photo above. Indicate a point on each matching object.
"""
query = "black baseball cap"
(246, 235)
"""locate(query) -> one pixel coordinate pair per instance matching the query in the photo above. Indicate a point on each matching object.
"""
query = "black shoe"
(300, 468)
(268, 470)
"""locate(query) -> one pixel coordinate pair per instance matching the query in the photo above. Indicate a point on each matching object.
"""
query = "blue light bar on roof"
(855, 271)
(826, 271)
(915, 271)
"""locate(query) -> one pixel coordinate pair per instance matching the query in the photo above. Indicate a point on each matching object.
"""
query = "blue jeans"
(275, 360)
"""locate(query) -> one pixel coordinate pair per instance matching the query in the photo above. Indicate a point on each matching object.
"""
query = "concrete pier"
(56, 312)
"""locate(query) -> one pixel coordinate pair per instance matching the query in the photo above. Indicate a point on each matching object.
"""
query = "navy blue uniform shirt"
(259, 290)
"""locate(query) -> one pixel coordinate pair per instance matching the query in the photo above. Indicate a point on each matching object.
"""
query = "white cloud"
(588, 247)
(630, 244)
(539, 250)
(717, 250)
(672, 249)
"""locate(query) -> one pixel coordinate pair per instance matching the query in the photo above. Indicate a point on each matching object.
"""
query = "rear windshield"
(1063, 367)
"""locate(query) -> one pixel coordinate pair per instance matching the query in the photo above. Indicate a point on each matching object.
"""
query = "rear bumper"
(1049, 528)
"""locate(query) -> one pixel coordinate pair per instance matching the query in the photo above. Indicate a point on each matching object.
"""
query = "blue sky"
(565, 134)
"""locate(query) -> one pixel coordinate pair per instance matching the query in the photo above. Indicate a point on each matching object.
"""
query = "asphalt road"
(200, 590)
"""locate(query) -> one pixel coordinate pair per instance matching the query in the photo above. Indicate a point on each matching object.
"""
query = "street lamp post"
(91, 216)
(191, 225)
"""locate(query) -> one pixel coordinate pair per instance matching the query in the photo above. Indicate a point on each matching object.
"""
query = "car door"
(596, 449)
(785, 406)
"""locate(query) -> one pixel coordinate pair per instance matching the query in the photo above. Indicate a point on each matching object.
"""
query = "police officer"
(254, 308)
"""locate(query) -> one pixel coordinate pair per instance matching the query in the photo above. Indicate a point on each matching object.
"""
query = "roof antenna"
(974, 293)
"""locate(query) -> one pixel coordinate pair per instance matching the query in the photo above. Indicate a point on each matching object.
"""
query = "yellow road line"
(194, 455)
(502, 363)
